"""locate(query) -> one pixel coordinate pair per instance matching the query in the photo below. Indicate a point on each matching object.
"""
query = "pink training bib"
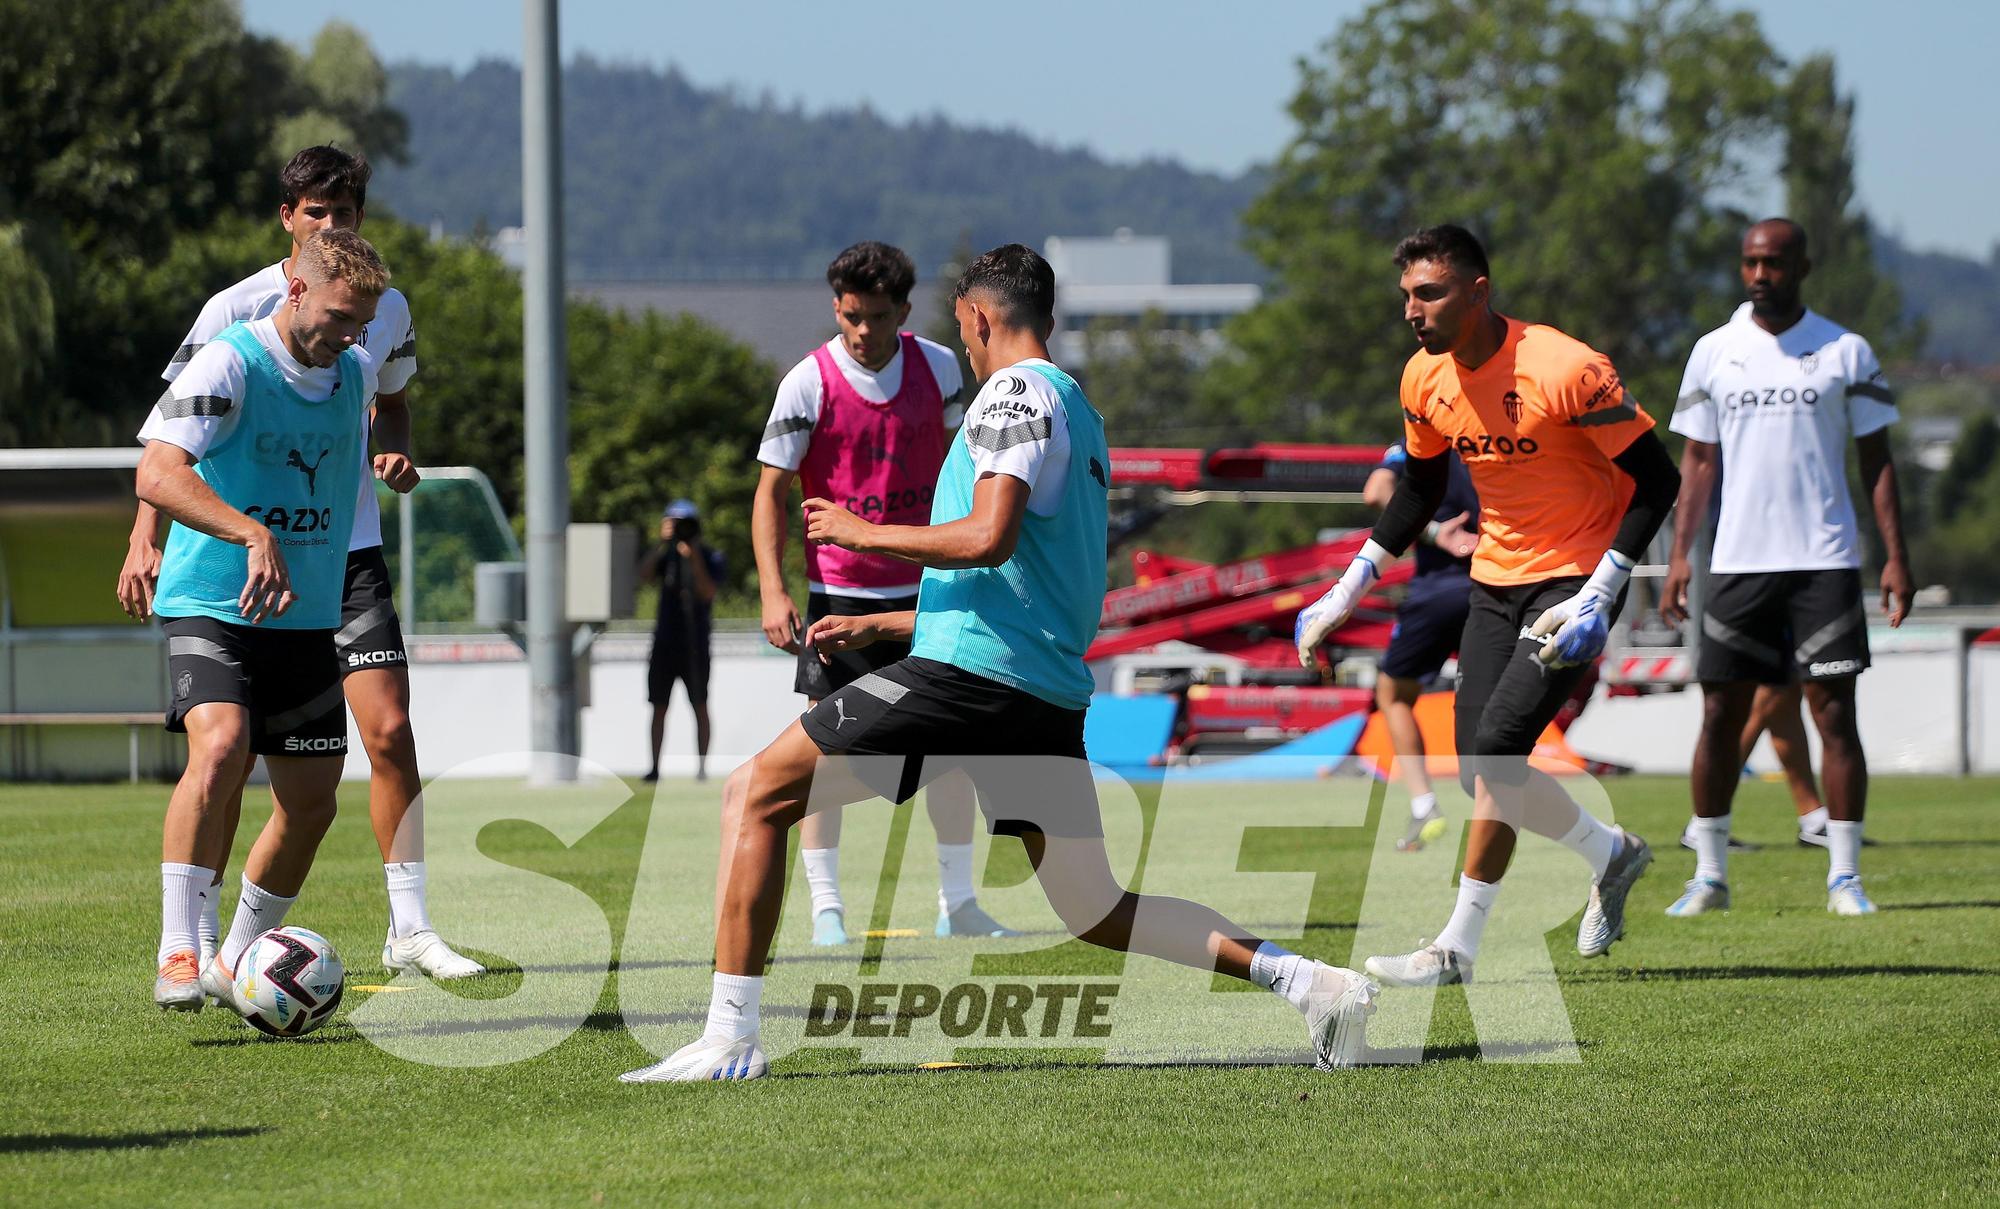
(880, 461)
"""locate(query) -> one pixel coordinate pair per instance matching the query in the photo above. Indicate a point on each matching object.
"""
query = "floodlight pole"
(552, 717)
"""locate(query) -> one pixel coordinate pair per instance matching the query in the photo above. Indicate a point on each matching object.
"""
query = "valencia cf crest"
(183, 686)
(1512, 402)
(1808, 363)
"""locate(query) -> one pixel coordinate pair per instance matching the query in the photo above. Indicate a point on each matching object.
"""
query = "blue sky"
(1200, 82)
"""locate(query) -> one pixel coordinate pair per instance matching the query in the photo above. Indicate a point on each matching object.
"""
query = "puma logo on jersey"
(840, 708)
(298, 462)
(1097, 472)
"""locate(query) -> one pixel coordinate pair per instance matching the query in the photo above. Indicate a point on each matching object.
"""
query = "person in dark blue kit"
(686, 572)
(1427, 628)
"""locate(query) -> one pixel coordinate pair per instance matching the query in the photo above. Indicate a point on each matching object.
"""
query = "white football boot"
(705, 1061)
(220, 987)
(1846, 897)
(1337, 1011)
(1604, 917)
(427, 953)
(1699, 897)
(1431, 966)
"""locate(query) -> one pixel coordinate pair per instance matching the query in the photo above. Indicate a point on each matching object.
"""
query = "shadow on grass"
(1432, 1054)
(1747, 973)
(1981, 905)
(34, 1143)
(849, 954)
(333, 1034)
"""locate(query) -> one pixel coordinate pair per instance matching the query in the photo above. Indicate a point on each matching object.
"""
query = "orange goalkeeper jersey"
(1537, 426)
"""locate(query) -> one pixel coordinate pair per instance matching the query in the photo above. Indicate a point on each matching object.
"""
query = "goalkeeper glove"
(1574, 631)
(1330, 611)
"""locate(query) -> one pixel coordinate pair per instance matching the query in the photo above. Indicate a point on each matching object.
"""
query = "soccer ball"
(290, 980)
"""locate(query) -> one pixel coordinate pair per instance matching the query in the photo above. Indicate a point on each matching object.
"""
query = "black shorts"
(289, 680)
(818, 680)
(1506, 695)
(1773, 626)
(674, 658)
(370, 634)
(1427, 627)
(936, 718)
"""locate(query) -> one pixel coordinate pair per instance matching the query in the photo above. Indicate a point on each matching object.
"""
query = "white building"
(1119, 281)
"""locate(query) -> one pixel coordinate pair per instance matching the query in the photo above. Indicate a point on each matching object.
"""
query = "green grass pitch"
(1774, 1055)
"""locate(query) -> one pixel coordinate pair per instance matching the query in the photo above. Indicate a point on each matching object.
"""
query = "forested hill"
(669, 180)
(1957, 297)
(666, 179)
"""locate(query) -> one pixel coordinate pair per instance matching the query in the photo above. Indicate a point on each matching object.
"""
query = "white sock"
(1597, 842)
(1468, 919)
(1283, 971)
(954, 876)
(1423, 804)
(409, 913)
(733, 1006)
(1843, 849)
(257, 912)
(181, 888)
(1813, 821)
(1711, 847)
(209, 926)
(822, 878)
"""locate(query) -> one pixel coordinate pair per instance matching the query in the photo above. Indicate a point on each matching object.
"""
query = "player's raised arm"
(167, 481)
(986, 538)
(831, 635)
(1592, 400)
(1579, 627)
(1409, 510)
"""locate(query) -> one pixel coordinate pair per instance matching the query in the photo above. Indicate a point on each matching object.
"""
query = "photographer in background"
(686, 572)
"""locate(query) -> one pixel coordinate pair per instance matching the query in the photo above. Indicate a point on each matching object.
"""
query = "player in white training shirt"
(1770, 401)
(321, 188)
(863, 421)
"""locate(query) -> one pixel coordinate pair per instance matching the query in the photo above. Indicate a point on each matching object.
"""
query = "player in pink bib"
(879, 460)
(864, 421)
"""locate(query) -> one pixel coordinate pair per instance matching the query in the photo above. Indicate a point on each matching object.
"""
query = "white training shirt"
(1783, 408)
(390, 338)
(201, 407)
(1017, 426)
(788, 431)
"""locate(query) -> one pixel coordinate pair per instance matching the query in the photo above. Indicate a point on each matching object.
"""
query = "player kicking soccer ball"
(325, 188)
(1012, 590)
(263, 417)
(1769, 402)
(1573, 483)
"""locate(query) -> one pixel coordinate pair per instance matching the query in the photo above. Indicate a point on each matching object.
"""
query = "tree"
(1954, 545)
(27, 327)
(342, 94)
(664, 407)
(1588, 151)
(139, 145)
(1142, 378)
(1847, 284)
(124, 121)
